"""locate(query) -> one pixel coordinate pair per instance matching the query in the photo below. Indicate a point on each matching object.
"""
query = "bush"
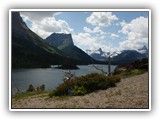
(42, 87)
(30, 88)
(85, 84)
(39, 88)
(78, 90)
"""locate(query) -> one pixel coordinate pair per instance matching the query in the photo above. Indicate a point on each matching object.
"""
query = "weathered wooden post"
(109, 65)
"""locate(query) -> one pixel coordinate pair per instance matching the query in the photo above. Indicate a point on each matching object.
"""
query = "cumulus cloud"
(92, 43)
(95, 30)
(84, 39)
(44, 23)
(134, 45)
(114, 36)
(101, 19)
(136, 32)
(38, 15)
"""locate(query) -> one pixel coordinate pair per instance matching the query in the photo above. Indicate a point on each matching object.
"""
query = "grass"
(27, 94)
(131, 73)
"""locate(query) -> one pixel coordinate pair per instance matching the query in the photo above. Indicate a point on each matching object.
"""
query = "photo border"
(82, 10)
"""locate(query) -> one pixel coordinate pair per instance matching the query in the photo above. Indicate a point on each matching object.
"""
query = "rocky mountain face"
(64, 43)
(97, 54)
(30, 50)
(60, 40)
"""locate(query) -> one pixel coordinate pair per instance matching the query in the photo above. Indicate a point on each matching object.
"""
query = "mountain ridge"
(64, 42)
(119, 57)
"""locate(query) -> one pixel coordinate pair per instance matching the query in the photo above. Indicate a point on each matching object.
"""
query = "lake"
(51, 77)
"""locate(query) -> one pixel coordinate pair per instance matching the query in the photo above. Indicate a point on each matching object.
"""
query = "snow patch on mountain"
(102, 56)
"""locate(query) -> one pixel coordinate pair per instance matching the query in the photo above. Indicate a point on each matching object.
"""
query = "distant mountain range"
(29, 50)
(120, 57)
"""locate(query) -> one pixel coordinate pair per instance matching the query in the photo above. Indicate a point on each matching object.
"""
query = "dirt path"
(130, 93)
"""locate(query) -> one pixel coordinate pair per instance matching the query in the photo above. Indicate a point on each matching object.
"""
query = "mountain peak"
(65, 43)
(100, 50)
(17, 21)
(60, 39)
(143, 50)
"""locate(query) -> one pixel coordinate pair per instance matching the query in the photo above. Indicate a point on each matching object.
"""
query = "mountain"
(127, 56)
(118, 57)
(97, 54)
(60, 40)
(101, 55)
(143, 51)
(65, 43)
(30, 50)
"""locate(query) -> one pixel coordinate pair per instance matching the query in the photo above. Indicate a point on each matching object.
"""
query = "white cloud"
(114, 36)
(134, 45)
(92, 43)
(95, 30)
(39, 15)
(84, 39)
(44, 23)
(86, 29)
(101, 19)
(136, 32)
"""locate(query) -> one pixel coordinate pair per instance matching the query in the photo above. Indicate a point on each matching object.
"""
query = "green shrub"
(78, 90)
(85, 84)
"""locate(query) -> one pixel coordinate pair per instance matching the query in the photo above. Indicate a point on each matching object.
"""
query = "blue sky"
(111, 31)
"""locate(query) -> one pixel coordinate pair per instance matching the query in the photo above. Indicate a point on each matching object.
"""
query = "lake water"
(51, 77)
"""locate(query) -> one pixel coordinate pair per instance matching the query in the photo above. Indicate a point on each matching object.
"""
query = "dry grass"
(131, 92)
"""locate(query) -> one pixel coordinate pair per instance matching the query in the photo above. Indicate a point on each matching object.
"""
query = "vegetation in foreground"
(131, 73)
(85, 84)
(135, 68)
(30, 91)
(27, 94)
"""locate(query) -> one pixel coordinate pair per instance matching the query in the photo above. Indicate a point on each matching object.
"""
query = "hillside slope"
(29, 50)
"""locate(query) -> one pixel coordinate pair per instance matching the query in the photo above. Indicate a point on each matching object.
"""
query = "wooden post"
(109, 66)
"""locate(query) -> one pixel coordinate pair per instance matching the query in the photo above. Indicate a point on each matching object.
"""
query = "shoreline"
(131, 92)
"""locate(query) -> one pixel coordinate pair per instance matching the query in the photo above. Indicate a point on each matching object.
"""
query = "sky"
(111, 31)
